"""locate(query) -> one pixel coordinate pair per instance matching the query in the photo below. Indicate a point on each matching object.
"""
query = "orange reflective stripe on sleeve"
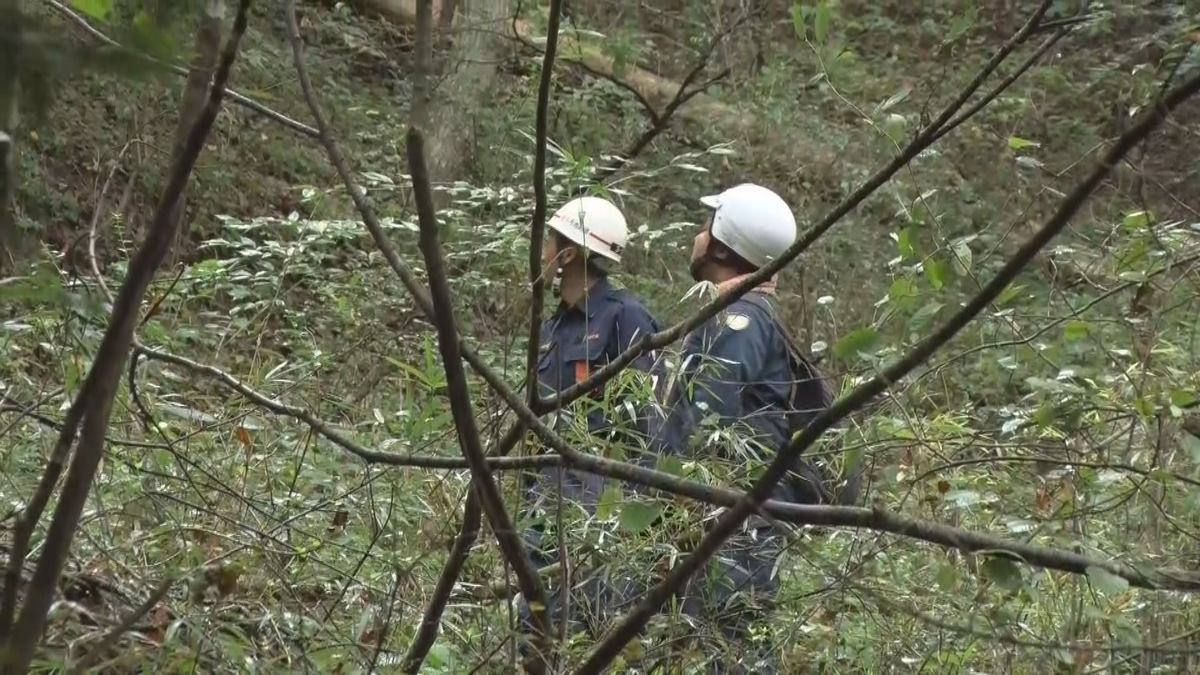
(581, 371)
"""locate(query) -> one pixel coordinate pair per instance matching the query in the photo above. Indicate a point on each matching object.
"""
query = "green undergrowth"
(1063, 416)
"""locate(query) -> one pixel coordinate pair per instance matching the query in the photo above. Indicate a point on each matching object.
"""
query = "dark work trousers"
(722, 604)
(732, 595)
(600, 593)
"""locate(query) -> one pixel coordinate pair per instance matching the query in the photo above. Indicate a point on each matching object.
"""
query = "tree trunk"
(470, 65)
(195, 94)
(10, 59)
(446, 18)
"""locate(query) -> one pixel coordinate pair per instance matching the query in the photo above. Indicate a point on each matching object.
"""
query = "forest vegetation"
(262, 262)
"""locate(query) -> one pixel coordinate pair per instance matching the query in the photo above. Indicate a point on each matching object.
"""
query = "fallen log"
(657, 90)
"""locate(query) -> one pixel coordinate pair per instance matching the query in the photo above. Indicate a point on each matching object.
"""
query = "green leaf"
(1183, 398)
(854, 457)
(947, 577)
(923, 316)
(42, 287)
(937, 272)
(962, 258)
(1008, 295)
(1045, 415)
(1106, 582)
(904, 243)
(670, 464)
(1003, 571)
(609, 501)
(637, 516)
(1192, 445)
(97, 9)
(895, 126)
(893, 100)
(821, 22)
(798, 19)
(149, 37)
(1145, 406)
(1016, 143)
(903, 289)
(961, 24)
(861, 340)
(1138, 220)
(1075, 331)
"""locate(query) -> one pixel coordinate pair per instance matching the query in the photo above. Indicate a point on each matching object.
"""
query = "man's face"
(700, 251)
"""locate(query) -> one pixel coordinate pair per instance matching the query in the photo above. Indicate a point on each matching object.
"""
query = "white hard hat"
(752, 221)
(595, 224)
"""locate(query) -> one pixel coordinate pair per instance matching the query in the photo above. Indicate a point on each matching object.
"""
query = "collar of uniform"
(766, 288)
(596, 295)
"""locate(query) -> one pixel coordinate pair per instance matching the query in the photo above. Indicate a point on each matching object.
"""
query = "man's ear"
(568, 255)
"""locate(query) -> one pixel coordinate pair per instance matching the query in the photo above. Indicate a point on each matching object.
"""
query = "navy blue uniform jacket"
(741, 367)
(575, 342)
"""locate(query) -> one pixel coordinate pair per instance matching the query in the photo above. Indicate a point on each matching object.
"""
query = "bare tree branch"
(427, 632)
(490, 499)
(333, 435)
(728, 523)
(622, 84)
(660, 124)
(95, 399)
(914, 148)
(837, 516)
(1005, 83)
(537, 229)
(381, 638)
(660, 121)
(240, 99)
(207, 47)
(792, 513)
(530, 583)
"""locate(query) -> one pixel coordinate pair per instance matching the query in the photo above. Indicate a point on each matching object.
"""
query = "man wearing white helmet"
(592, 324)
(742, 370)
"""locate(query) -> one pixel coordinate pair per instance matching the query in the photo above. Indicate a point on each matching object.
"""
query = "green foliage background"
(1065, 416)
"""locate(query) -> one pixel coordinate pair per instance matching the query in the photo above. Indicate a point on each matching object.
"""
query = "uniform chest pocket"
(565, 365)
(581, 360)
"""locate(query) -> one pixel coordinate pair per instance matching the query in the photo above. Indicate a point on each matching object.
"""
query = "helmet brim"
(575, 236)
(711, 201)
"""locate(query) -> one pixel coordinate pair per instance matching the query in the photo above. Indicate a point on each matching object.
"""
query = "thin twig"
(468, 532)
(365, 209)
(381, 636)
(327, 431)
(660, 121)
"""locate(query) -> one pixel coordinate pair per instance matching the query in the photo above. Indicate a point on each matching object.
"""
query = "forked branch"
(472, 512)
